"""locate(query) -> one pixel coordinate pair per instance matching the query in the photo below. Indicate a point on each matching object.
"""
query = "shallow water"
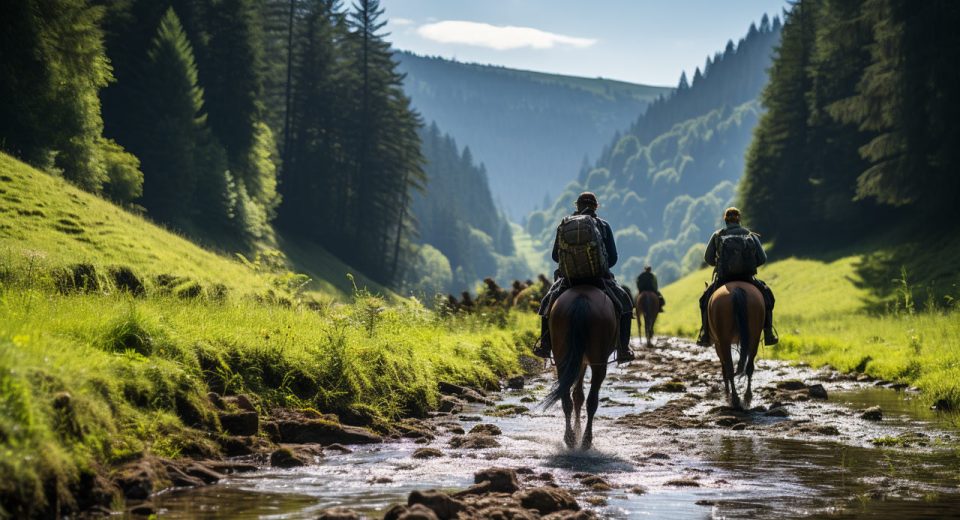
(759, 472)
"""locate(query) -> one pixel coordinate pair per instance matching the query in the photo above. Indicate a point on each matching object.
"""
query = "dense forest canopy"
(531, 130)
(858, 132)
(663, 184)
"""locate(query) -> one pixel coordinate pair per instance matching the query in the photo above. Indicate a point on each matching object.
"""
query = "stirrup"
(625, 357)
(540, 351)
(772, 338)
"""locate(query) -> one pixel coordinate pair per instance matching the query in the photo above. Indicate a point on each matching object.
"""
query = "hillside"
(47, 223)
(836, 311)
(663, 185)
(531, 130)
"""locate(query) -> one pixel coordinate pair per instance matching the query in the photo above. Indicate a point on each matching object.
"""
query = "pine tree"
(185, 173)
(387, 148)
(52, 66)
(775, 189)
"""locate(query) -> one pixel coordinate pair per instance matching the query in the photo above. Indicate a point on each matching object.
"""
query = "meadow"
(96, 369)
(826, 315)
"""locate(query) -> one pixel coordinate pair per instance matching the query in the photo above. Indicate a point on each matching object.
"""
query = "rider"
(587, 204)
(731, 218)
(647, 281)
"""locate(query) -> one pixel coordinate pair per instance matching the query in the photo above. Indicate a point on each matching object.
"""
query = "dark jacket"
(710, 255)
(647, 282)
(608, 242)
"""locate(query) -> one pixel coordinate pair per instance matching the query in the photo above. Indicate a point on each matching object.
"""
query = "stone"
(143, 510)
(321, 431)
(476, 441)
(817, 391)
(827, 430)
(791, 384)
(338, 448)
(488, 429)
(726, 420)
(242, 402)
(240, 423)
(338, 513)
(682, 482)
(874, 413)
(777, 412)
(427, 453)
(203, 472)
(442, 504)
(548, 500)
(230, 466)
(502, 480)
(515, 383)
(286, 458)
(470, 418)
(669, 386)
(450, 404)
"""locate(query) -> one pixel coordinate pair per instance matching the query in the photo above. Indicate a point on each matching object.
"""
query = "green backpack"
(736, 256)
(580, 246)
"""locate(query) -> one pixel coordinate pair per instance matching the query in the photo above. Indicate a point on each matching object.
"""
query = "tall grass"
(826, 317)
(131, 374)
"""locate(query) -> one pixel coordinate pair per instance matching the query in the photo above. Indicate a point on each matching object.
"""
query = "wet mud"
(813, 444)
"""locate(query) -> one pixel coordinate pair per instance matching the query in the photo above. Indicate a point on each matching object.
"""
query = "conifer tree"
(185, 171)
(52, 66)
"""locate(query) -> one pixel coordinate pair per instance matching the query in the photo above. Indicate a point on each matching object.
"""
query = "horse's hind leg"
(597, 374)
(748, 395)
(578, 401)
(569, 437)
(726, 360)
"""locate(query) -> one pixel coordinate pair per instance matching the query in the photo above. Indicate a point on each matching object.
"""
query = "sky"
(641, 41)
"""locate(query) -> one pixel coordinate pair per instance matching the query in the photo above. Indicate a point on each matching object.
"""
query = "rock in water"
(338, 513)
(874, 413)
(515, 383)
(320, 431)
(285, 458)
(427, 453)
(817, 391)
(240, 423)
(442, 504)
(489, 429)
(548, 500)
(791, 384)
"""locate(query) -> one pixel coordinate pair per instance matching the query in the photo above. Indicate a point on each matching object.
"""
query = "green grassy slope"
(48, 222)
(825, 316)
(92, 379)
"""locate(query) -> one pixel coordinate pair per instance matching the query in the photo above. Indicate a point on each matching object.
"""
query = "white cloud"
(400, 21)
(497, 37)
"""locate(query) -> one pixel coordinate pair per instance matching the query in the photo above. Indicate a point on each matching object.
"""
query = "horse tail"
(740, 314)
(577, 338)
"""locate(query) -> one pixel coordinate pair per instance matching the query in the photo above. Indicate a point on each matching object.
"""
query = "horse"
(584, 327)
(735, 313)
(648, 308)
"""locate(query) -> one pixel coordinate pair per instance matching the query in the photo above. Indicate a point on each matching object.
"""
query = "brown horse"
(648, 308)
(735, 311)
(583, 325)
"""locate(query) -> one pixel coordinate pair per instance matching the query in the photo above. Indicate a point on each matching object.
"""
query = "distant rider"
(587, 204)
(731, 218)
(647, 281)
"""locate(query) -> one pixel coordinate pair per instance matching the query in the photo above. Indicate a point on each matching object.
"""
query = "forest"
(664, 182)
(258, 262)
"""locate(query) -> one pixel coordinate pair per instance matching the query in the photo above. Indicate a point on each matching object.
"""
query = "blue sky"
(642, 41)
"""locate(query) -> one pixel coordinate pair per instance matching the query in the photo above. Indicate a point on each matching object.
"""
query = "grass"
(826, 316)
(92, 376)
(45, 218)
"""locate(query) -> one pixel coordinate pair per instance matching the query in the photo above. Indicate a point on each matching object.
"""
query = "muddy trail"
(816, 444)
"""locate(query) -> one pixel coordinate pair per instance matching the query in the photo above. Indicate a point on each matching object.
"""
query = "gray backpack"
(736, 256)
(580, 247)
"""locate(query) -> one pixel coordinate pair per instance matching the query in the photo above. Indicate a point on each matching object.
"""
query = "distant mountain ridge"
(531, 130)
(663, 184)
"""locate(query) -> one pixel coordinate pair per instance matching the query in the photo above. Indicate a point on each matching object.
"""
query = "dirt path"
(666, 446)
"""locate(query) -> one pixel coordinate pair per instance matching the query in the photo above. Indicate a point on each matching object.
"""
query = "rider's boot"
(663, 302)
(769, 334)
(544, 348)
(704, 338)
(624, 354)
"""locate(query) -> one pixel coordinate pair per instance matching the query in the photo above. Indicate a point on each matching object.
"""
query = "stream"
(676, 454)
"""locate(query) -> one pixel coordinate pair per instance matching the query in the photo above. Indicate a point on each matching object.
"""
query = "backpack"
(736, 256)
(580, 246)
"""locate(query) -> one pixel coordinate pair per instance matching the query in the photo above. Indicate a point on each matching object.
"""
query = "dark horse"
(736, 316)
(583, 325)
(648, 308)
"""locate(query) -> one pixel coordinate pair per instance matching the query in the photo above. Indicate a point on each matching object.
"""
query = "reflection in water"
(734, 474)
